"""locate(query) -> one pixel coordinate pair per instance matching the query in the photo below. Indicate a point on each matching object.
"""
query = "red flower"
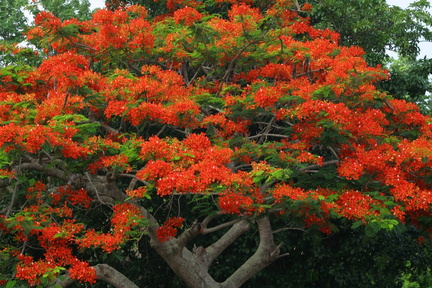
(187, 16)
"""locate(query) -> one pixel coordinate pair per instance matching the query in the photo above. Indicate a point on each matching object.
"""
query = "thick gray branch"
(266, 253)
(41, 168)
(206, 230)
(110, 275)
(106, 273)
(211, 252)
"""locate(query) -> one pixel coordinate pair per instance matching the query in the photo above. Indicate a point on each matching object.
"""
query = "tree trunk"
(192, 267)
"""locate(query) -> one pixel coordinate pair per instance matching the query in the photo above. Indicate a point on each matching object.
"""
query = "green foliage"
(12, 20)
(63, 9)
(376, 26)
(423, 280)
(410, 81)
(347, 258)
(356, 255)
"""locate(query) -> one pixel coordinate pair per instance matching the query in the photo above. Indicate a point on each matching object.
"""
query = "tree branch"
(267, 130)
(213, 251)
(104, 272)
(266, 253)
(205, 231)
(188, 235)
(327, 163)
(41, 168)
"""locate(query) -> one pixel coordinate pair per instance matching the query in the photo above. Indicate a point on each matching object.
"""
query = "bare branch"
(188, 235)
(104, 272)
(316, 166)
(12, 202)
(134, 178)
(209, 218)
(207, 255)
(268, 135)
(98, 194)
(333, 152)
(267, 130)
(266, 253)
(283, 255)
(41, 168)
(206, 231)
(290, 228)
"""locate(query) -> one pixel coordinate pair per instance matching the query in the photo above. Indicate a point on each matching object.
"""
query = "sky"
(97, 4)
(401, 3)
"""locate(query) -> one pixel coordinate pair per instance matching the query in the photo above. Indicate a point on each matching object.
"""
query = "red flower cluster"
(187, 16)
(169, 229)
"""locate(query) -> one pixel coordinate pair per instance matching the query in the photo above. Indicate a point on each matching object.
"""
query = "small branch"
(183, 72)
(134, 177)
(80, 45)
(209, 218)
(289, 228)
(283, 255)
(194, 76)
(231, 65)
(333, 152)
(267, 130)
(161, 130)
(268, 135)
(308, 73)
(206, 231)
(11, 204)
(276, 251)
(316, 166)
(132, 184)
(96, 191)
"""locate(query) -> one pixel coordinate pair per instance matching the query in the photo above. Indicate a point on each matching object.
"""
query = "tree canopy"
(376, 26)
(195, 128)
(63, 9)
(13, 20)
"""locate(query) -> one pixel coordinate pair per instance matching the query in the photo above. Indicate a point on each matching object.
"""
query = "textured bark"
(104, 272)
(209, 254)
(186, 265)
(110, 275)
(192, 267)
(266, 253)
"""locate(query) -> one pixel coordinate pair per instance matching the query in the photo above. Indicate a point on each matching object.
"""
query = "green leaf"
(60, 234)
(258, 179)
(357, 224)
(10, 284)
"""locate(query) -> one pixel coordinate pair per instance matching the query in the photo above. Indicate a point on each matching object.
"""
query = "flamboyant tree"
(191, 129)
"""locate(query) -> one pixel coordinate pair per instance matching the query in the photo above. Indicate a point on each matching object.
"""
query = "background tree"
(191, 131)
(410, 81)
(378, 27)
(13, 21)
(62, 9)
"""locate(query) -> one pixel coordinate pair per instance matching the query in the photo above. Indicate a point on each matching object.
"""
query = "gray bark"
(104, 272)
(192, 267)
